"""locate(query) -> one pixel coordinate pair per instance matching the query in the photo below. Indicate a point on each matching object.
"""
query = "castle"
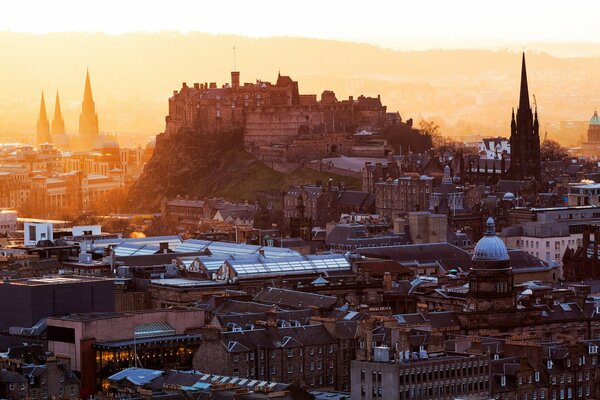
(281, 127)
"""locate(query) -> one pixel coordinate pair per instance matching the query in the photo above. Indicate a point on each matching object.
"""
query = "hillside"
(186, 164)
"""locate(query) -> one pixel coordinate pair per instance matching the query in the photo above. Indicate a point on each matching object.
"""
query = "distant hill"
(465, 91)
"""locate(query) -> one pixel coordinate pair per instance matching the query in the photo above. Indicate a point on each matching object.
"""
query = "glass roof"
(225, 248)
(313, 264)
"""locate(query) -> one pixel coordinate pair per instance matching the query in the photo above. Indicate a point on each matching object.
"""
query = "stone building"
(275, 352)
(592, 146)
(421, 376)
(397, 197)
(279, 123)
(491, 282)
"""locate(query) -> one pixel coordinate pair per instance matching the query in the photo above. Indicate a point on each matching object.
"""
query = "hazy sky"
(397, 24)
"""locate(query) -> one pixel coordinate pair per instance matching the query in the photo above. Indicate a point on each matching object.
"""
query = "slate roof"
(294, 299)
(311, 335)
(357, 235)
(11, 377)
(447, 255)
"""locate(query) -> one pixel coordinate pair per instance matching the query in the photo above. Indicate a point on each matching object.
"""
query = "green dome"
(595, 120)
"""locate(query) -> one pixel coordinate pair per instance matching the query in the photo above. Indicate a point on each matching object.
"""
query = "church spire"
(43, 126)
(87, 93)
(58, 124)
(524, 95)
(88, 119)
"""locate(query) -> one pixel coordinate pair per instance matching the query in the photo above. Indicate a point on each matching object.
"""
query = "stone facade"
(275, 115)
(400, 196)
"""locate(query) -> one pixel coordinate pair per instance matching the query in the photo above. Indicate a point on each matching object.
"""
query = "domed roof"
(490, 247)
(595, 120)
(508, 196)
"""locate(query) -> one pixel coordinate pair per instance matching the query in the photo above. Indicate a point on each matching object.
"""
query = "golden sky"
(138, 52)
(394, 23)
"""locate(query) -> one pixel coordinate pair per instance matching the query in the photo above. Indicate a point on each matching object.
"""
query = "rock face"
(189, 164)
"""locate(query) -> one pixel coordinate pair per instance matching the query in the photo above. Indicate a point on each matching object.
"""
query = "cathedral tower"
(43, 126)
(58, 124)
(524, 136)
(88, 119)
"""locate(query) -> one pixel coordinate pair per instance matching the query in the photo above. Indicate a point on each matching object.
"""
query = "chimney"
(387, 281)
(399, 226)
(213, 85)
(271, 315)
(196, 85)
(164, 247)
(235, 79)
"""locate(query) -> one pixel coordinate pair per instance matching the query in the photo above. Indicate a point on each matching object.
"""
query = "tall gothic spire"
(88, 119)
(87, 93)
(524, 95)
(43, 126)
(58, 124)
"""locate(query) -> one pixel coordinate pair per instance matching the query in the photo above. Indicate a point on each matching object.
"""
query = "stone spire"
(43, 126)
(88, 119)
(524, 95)
(58, 124)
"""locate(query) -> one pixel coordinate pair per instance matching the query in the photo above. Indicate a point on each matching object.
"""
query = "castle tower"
(491, 281)
(88, 119)
(43, 125)
(58, 124)
(524, 136)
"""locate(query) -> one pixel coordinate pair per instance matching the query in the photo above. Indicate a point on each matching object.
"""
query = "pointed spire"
(87, 93)
(42, 116)
(88, 119)
(43, 126)
(524, 95)
(58, 124)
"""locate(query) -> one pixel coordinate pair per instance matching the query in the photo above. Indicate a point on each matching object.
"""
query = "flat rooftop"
(55, 280)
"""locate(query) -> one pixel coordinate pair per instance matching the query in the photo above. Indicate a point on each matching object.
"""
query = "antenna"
(234, 60)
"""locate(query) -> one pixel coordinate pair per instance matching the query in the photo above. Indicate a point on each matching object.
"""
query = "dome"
(595, 120)
(490, 247)
(508, 196)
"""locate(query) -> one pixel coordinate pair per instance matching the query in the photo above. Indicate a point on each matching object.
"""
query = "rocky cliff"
(190, 164)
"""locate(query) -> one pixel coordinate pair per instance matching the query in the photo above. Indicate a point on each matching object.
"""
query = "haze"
(133, 73)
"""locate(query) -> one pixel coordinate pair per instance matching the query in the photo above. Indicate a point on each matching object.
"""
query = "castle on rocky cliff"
(282, 127)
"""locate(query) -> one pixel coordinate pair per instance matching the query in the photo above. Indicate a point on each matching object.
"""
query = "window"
(537, 376)
(236, 358)
(290, 369)
(290, 353)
